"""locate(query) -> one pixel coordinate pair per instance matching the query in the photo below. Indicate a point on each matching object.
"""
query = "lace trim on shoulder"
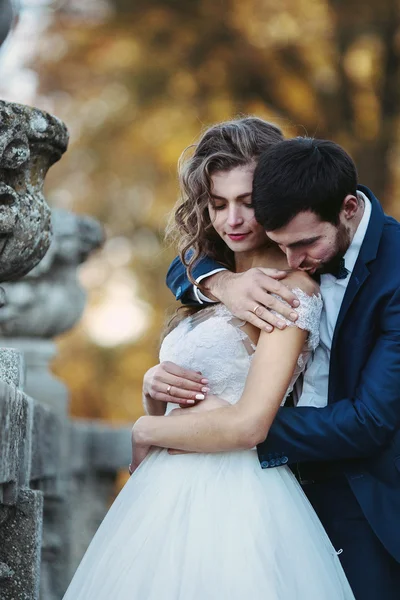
(220, 311)
(309, 313)
(212, 310)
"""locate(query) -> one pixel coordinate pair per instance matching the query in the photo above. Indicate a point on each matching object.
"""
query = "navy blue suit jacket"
(360, 426)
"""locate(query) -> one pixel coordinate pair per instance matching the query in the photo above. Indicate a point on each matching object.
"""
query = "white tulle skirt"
(210, 527)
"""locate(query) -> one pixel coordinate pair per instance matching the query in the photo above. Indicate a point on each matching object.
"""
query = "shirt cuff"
(201, 298)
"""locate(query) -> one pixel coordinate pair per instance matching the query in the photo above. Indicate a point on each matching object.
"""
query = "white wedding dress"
(213, 526)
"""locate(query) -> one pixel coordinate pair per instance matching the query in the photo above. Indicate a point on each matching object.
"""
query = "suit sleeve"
(178, 282)
(352, 427)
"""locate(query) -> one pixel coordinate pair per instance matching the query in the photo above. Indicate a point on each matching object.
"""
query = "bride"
(208, 526)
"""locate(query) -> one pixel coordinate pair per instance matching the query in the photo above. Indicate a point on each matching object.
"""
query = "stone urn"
(30, 142)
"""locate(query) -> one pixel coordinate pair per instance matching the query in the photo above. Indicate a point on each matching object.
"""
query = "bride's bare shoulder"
(303, 281)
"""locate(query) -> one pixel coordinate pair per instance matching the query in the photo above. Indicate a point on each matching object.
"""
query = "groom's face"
(311, 244)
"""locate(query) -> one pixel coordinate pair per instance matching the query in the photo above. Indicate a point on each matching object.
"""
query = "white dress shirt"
(316, 376)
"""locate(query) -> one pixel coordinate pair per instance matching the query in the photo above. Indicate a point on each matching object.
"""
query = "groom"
(343, 435)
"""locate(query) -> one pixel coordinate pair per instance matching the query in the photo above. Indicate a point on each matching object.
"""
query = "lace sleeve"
(309, 313)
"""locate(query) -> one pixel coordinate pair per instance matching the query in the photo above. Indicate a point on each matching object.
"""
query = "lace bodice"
(212, 341)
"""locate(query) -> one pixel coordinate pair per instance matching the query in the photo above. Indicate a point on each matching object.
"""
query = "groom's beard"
(342, 244)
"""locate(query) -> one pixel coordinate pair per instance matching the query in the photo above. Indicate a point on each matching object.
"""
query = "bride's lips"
(237, 237)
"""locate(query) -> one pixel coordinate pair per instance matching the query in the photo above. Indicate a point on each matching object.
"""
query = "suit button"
(284, 460)
(264, 464)
(278, 462)
(272, 462)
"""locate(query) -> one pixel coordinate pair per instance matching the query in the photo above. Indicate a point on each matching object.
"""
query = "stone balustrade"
(21, 506)
(57, 475)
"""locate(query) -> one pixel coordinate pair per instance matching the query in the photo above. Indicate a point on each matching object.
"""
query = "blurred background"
(136, 82)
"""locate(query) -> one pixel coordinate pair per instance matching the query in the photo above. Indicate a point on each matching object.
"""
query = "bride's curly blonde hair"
(221, 147)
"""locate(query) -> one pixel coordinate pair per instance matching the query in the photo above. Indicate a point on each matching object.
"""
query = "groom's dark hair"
(302, 174)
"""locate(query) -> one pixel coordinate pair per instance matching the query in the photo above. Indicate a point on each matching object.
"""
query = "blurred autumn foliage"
(137, 86)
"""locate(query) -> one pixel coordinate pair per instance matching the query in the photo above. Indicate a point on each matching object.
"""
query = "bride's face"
(231, 209)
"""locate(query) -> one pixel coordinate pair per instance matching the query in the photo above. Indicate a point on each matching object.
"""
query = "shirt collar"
(353, 250)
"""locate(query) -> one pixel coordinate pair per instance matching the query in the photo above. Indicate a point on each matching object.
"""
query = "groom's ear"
(350, 206)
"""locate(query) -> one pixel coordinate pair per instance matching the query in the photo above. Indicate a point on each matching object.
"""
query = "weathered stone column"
(20, 508)
(45, 303)
(30, 142)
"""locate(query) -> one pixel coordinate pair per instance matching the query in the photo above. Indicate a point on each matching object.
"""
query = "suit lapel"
(367, 254)
(359, 275)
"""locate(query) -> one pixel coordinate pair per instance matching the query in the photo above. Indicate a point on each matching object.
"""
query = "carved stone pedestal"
(56, 476)
(30, 142)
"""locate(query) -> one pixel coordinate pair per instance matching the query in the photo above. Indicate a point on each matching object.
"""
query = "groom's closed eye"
(303, 243)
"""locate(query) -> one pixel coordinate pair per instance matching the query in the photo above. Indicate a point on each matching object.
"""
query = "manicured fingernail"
(190, 402)
(268, 328)
(295, 303)
(204, 381)
(293, 316)
(205, 390)
(200, 396)
(281, 325)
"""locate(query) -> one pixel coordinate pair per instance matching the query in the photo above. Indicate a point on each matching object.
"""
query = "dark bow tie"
(339, 271)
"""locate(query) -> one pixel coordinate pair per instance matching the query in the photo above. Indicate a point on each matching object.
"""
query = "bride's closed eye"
(219, 206)
(222, 206)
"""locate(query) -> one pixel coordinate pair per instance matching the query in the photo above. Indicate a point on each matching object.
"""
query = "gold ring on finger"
(255, 309)
(169, 389)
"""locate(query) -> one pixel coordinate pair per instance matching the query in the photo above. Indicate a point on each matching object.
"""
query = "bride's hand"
(168, 382)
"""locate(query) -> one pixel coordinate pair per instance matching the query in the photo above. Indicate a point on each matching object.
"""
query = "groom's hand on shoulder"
(249, 296)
